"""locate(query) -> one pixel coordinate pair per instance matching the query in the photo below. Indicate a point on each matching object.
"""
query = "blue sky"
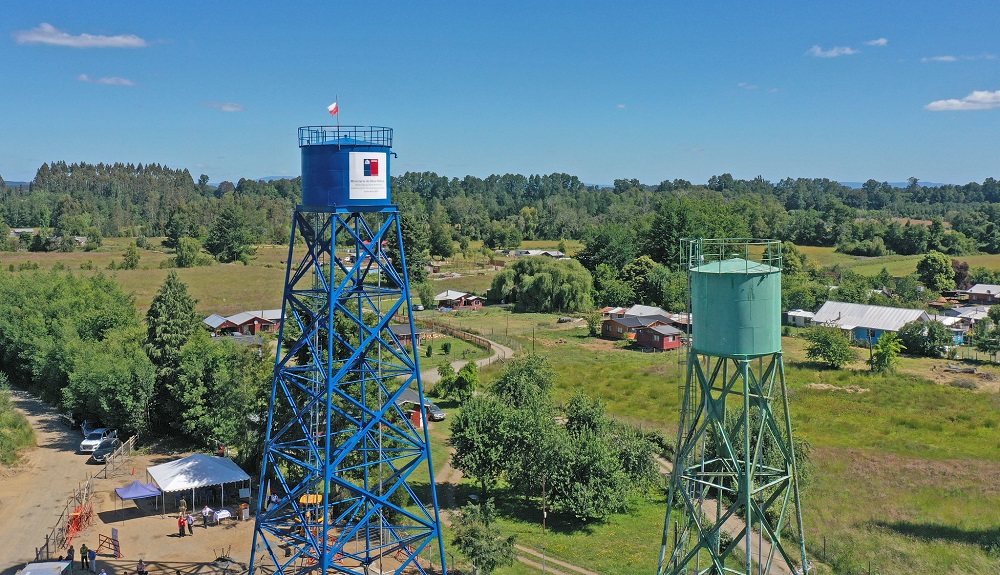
(602, 90)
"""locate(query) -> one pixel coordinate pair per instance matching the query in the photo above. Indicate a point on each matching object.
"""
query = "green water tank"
(736, 308)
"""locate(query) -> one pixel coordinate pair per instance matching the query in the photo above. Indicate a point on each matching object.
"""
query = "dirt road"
(33, 495)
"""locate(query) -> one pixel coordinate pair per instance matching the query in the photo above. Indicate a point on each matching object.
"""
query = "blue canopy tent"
(137, 490)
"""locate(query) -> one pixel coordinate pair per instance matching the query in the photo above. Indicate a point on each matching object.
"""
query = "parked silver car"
(95, 437)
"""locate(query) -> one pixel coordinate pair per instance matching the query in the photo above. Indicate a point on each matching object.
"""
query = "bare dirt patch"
(34, 494)
(828, 387)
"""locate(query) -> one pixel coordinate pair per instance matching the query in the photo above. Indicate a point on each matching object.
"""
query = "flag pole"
(337, 100)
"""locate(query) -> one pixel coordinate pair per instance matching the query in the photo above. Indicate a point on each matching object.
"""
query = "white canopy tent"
(194, 471)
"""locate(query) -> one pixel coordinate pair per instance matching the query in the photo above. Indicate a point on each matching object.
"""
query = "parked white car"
(95, 437)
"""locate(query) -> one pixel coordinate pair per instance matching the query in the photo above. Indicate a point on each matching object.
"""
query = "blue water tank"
(345, 166)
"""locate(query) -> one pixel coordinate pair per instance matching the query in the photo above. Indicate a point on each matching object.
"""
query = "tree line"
(79, 343)
(503, 210)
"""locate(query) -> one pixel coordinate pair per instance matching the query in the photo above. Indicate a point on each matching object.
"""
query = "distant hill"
(893, 184)
(18, 184)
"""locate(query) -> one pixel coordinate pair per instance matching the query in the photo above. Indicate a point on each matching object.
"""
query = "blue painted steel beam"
(339, 451)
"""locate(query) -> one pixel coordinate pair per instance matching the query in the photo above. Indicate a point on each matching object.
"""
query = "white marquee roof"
(198, 470)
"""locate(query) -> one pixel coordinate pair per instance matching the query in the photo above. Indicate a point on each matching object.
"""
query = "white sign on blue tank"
(369, 176)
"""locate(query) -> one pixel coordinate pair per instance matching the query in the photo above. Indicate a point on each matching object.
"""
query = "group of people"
(186, 520)
(88, 558)
(88, 561)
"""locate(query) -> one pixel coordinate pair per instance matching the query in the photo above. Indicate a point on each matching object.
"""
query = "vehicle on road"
(95, 437)
(105, 449)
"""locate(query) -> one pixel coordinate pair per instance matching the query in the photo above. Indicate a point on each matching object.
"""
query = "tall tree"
(936, 272)
(170, 321)
(235, 230)
(477, 434)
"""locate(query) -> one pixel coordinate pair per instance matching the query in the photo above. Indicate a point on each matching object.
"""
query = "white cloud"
(818, 52)
(226, 106)
(977, 100)
(877, 42)
(110, 81)
(957, 58)
(747, 86)
(48, 34)
(621, 106)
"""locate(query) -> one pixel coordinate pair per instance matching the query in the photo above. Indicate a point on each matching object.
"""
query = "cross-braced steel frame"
(340, 453)
(733, 461)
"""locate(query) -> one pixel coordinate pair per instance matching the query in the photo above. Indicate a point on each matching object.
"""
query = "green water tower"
(735, 461)
(736, 307)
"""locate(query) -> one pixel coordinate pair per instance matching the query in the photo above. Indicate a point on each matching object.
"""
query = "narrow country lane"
(33, 495)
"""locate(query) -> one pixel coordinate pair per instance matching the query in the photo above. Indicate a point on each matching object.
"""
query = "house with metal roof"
(245, 322)
(659, 337)
(799, 317)
(458, 299)
(866, 323)
(627, 327)
(988, 294)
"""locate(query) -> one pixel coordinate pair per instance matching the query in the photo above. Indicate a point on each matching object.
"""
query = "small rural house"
(404, 335)
(245, 323)
(799, 317)
(555, 254)
(627, 327)
(983, 294)
(659, 337)
(866, 323)
(459, 300)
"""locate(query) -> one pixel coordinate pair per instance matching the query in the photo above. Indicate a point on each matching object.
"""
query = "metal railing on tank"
(346, 135)
(696, 252)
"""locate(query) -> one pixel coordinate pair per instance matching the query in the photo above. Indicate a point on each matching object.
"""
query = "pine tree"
(170, 322)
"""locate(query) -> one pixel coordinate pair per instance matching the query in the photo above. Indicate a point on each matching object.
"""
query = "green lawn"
(900, 475)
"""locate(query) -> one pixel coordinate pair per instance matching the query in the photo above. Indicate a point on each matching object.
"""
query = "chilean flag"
(333, 109)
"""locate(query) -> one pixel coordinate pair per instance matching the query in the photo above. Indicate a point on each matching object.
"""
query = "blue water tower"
(346, 166)
(341, 440)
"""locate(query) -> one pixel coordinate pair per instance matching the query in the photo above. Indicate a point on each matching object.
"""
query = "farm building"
(457, 299)
(866, 323)
(983, 294)
(660, 337)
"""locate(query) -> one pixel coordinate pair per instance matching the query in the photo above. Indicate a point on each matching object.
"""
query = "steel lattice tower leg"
(741, 456)
(339, 452)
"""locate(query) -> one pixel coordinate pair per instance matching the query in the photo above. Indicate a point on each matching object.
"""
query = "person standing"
(205, 512)
(84, 557)
(183, 506)
(140, 567)
(70, 555)
(181, 522)
(92, 559)
(190, 524)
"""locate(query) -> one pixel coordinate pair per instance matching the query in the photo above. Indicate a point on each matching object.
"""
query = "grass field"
(904, 474)
(896, 265)
(901, 474)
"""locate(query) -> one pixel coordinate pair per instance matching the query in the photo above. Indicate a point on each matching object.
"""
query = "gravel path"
(33, 495)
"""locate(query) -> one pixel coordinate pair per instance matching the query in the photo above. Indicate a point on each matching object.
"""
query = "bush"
(446, 348)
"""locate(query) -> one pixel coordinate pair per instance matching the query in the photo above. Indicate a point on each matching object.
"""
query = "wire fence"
(78, 512)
